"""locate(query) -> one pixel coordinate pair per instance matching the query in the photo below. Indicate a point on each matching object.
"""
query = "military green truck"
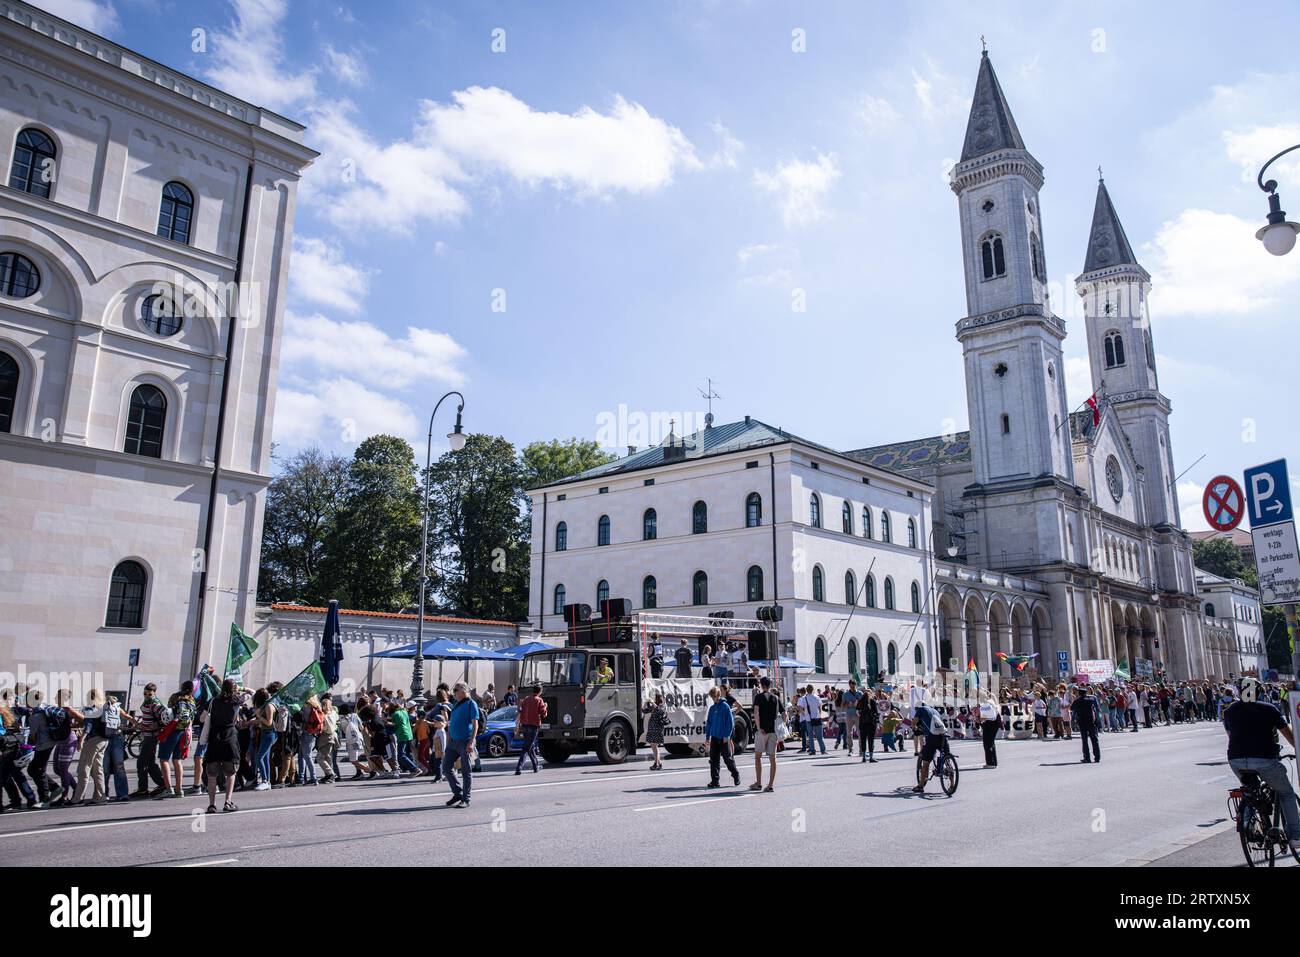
(596, 684)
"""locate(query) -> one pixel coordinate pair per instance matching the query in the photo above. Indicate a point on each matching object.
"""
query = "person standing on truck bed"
(766, 706)
(683, 658)
(719, 727)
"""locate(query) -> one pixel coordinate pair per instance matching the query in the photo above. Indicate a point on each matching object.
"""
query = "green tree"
(478, 539)
(1219, 556)
(371, 554)
(302, 503)
(547, 462)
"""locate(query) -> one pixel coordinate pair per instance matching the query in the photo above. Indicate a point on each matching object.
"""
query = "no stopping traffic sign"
(1223, 503)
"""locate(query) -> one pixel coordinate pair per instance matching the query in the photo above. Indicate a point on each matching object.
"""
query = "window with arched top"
(846, 519)
(1036, 258)
(32, 169)
(649, 592)
(1209, 610)
(753, 510)
(19, 277)
(9, 374)
(850, 588)
(871, 591)
(893, 658)
(819, 655)
(916, 598)
(176, 213)
(754, 584)
(889, 594)
(1114, 349)
(649, 525)
(992, 259)
(126, 593)
(911, 533)
(602, 592)
(866, 521)
(558, 605)
(873, 661)
(853, 656)
(561, 537)
(699, 518)
(918, 657)
(700, 589)
(602, 530)
(146, 420)
(819, 584)
(815, 511)
(886, 527)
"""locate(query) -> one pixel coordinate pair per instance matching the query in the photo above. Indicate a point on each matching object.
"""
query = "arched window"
(1209, 610)
(19, 277)
(32, 170)
(700, 589)
(159, 315)
(1114, 346)
(911, 533)
(602, 593)
(649, 592)
(602, 530)
(819, 584)
(850, 589)
(819, 655)
(126, 596)
(699, 519)
(889, 593)
(866, 521)
(873, 661)
(991, 256)
(1036, 258)
(754, 584)
(561, 537)
(853, 657)
(916, 598)
(145, 422)
(886, 530)
(871, 591)
(892, 658)
(8, 391)
(918, 656)
(175, 213)
(846, 519)
(753, 510)
(815, 511)
(559, 600)
(649, 525)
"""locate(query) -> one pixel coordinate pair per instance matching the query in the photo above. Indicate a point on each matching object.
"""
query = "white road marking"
(661, 807)
(224, 860)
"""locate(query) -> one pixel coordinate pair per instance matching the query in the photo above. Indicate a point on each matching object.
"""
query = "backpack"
(314, 721)
(110, 722)
(280, 722)
(58, 724)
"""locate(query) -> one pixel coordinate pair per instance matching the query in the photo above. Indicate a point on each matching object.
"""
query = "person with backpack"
(265, 715)
(150, 723)
(103, 725)
(312, 723)
(222, 727)
(48, 726)
(327, 741)
(400, 720)
(11, 780)
(174, 740)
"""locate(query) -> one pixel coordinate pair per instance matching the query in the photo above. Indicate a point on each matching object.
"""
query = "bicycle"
(1259, 820)
(133, 739)
(945, 769)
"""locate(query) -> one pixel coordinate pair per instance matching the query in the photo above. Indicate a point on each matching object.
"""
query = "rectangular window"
(1006, 424)
(560, 498)
(602, 490)
(751, 465)
(649, 482)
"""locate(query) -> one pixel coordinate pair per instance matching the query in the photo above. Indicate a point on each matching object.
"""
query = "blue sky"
(562, 208)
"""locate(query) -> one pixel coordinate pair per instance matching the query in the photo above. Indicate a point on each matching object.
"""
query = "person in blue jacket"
(718, 727)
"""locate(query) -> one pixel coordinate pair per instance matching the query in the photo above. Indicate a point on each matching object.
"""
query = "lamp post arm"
(1271, 184)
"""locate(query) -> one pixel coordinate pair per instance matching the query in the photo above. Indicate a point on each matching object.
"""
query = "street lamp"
(455, 439)
(1279, 235)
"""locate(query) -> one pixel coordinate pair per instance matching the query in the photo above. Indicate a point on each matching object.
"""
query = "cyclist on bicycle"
(928, 723)
(1253, 727)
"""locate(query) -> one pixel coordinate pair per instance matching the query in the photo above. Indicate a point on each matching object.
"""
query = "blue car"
(498, 738)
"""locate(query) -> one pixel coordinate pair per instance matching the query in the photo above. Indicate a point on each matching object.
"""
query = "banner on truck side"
(687, 701)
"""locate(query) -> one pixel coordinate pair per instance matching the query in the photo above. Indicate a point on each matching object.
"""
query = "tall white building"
(1237, 606)
(1042, 532)
(135, 413)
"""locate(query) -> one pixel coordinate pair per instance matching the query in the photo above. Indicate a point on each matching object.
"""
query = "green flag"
(241, 650)
(209, 684)
(1121, 670)
(308, 682)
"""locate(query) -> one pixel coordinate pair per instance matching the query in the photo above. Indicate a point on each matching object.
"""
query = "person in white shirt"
(813, 706)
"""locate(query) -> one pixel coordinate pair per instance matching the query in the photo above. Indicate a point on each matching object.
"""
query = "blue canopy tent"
(518, 651)
(444, 649)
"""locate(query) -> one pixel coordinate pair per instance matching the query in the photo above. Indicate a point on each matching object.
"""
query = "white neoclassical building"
(143, 263)
(1237, 606)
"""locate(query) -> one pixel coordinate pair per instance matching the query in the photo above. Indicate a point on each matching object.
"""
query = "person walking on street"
(812, 705)
(1087, 717)
(718, 728)
(868, 715)
(767, 709)
(462, 730)
(532, 712)
(222, 758)
(1133, 702)
(174, 740)
(103, 728)
(990, 724)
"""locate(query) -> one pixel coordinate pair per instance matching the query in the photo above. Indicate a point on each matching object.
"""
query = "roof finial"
(984, 45)
(1100, 178)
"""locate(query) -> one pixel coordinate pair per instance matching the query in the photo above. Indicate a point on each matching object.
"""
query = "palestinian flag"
(240, 651)
(310, 681)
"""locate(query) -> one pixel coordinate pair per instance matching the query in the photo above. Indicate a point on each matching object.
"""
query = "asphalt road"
(1156, 795)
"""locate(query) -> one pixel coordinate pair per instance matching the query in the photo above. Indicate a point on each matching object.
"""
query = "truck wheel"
(553, 753)
(615, 742)
(678, 750)
(740, 735)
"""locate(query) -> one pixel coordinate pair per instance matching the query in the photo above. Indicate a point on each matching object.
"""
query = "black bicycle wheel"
(951, 773)
(1279, 823)
(1255, 843)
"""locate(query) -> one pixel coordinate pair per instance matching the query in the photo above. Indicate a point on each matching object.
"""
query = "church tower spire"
(991, 125)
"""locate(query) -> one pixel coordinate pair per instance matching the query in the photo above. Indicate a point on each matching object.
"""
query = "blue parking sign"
(1268, 493)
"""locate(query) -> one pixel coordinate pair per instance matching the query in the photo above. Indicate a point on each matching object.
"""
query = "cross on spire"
(983, 44)
(1100, 178)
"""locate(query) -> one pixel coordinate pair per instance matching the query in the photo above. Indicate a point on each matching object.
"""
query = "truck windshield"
(560, 668)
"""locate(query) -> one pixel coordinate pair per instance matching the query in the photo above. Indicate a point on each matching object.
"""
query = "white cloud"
(801, 187)
(729, 152)
(939, 95)
(1208, 263)
(249, 61)
(339, 411)
(320, 274)
(369, 354)
(767, 264)
(1252, 148)
(877, 113)
(347, 67)
(1189, 506)
(95, 16)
